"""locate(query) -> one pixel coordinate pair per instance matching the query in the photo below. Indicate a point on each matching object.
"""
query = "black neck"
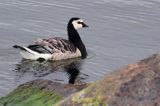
(74, 38)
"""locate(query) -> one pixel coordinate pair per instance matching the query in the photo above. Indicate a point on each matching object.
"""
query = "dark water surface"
(120, 32)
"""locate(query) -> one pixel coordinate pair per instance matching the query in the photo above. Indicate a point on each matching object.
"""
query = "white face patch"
(77, 25)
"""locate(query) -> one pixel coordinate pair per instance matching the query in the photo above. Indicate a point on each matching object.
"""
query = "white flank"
(30, 54)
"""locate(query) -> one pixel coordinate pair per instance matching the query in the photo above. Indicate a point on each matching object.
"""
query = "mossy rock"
(30, 96)
(137, 84)
(39, 93)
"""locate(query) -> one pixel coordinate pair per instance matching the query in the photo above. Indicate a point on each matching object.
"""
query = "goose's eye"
(79, 22)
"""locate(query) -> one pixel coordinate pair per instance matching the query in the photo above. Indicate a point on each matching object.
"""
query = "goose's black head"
(73, 25)
(76, 23)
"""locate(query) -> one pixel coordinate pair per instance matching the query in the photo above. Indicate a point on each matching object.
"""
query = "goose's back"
(59, 48)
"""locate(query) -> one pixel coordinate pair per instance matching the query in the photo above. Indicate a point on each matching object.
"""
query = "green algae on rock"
(135, 85)
(30, 96)
(39, 93)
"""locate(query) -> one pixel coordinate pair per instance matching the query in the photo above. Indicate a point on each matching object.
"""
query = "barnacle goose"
(57, 48)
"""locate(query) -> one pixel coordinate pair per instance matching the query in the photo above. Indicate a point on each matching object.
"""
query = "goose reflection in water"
(40, 69)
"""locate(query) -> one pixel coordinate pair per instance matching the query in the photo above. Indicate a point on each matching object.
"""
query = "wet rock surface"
(50, 86)
(135, 85)
(140, 84)
(39, 93)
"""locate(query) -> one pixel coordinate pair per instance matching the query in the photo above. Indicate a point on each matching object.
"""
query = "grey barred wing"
(52, 45)
(39, 49)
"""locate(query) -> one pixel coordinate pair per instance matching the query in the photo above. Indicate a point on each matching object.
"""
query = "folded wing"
(52, 45)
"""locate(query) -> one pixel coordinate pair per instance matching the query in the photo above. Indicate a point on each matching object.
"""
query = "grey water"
(120, 32)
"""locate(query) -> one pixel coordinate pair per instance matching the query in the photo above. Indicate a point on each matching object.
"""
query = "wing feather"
(53, 45)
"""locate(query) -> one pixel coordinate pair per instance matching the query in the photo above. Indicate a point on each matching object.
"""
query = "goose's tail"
(20, 48)
(27, 53)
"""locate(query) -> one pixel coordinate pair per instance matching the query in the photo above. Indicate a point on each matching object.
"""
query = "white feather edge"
(30, 54)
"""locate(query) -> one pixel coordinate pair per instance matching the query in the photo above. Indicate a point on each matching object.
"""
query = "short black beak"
(84, 25)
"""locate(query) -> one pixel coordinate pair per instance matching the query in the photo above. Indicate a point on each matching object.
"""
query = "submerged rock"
(135, 85)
